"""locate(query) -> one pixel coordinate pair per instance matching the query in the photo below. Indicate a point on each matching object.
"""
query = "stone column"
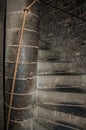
(24, 94)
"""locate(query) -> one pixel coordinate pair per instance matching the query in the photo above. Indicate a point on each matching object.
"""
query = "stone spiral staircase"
(61, 99)
(61, 82)
(61, 88)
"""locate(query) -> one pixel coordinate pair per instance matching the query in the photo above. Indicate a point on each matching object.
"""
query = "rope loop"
(29, 6)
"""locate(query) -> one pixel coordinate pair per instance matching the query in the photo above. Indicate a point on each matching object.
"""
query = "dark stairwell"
(60, 102)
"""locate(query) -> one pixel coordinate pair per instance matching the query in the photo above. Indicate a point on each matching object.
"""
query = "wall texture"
(1, 64)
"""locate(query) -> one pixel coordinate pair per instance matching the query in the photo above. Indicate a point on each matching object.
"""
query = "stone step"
(61, 73)
(60, 97)
(20, 124)
(37, 126)
(52, 125)
(73, 109)
(65, 89)
(51, 81)
(45, 55)
(60, 68)
(52, 55)
(70, 121)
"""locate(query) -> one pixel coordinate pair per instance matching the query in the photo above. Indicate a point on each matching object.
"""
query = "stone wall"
(1, 65)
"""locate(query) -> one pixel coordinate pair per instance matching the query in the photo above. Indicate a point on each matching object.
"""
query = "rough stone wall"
(1, 64)
(1, 76)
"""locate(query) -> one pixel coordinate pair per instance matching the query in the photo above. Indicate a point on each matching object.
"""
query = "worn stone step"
(54, 81)
(60, 68)
(65, 89)
(52, 125)
(57, 73)
(73, 109)
(60, 97)
(51, 55)
(20, 125)
(63, 118)
(37, 126)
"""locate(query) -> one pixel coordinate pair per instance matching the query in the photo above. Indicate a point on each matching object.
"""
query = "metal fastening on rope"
(26, 10)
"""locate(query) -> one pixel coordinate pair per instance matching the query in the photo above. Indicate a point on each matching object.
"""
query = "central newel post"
(22, 35)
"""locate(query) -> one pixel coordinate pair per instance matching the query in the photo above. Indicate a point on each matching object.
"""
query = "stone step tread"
(51, 55)
(65, 89)
(60, 73)
(73, 109)
(59, 97)
(50, 125)
(37, 126)
(55, 55)
(55, 80)
(57, 116)
(64, 67)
